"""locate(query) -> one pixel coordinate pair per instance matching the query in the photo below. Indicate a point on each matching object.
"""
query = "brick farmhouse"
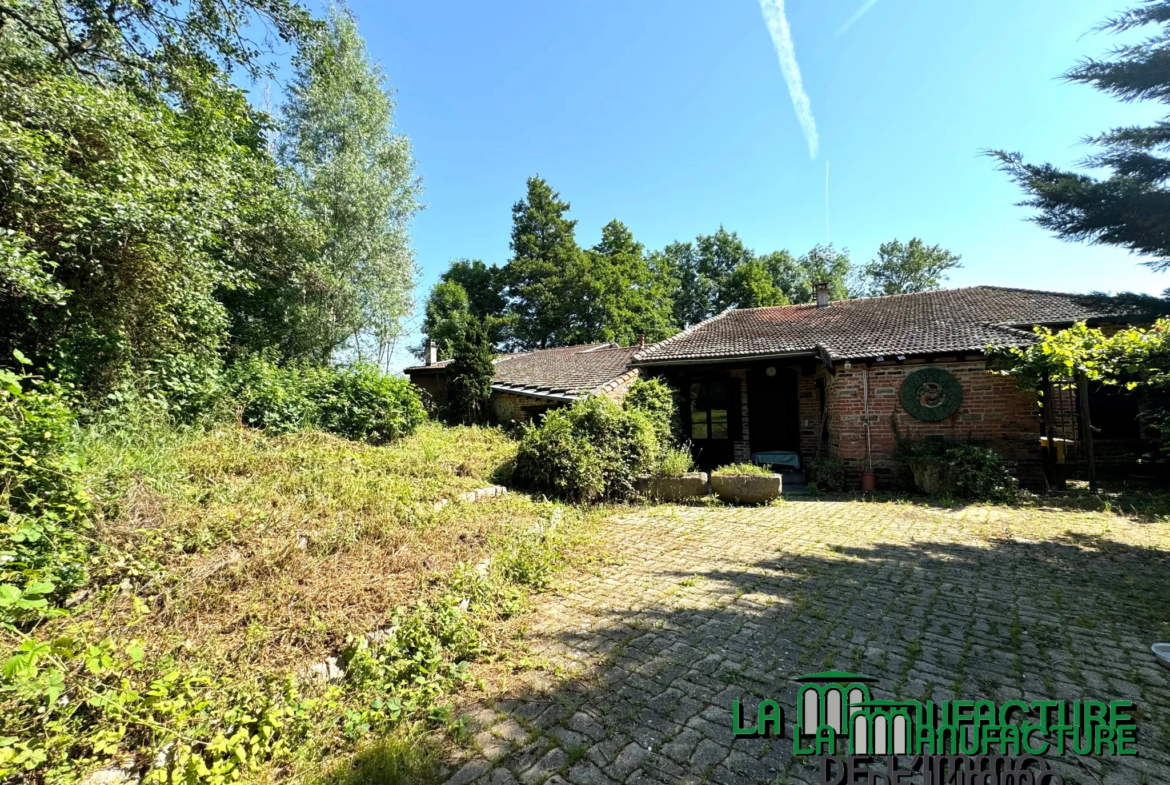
(837, 378)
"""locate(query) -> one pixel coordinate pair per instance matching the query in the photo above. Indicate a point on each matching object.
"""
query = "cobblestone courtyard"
(705, 606)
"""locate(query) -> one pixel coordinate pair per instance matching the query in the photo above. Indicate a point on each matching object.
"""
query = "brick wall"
(809, 404)
(741, 447)
(993, 412)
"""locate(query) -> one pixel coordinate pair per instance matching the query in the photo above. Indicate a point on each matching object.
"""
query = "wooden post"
(1087, 430)
(1048, 432)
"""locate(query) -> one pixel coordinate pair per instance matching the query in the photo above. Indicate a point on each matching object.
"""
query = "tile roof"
(948, 320)
(568, 371)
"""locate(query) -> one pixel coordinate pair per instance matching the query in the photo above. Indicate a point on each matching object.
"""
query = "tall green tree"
(356, 176)
(546, 275)
(750, 285)
(901, 268)
(485, 287)
(469, 376)
(448, 312)
(824, 263)
(1130, 206)
(630, 298)
(135, 189)
(702, 269)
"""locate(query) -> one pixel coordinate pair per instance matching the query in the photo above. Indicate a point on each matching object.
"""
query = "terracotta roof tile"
(949, 320)
(568, 371)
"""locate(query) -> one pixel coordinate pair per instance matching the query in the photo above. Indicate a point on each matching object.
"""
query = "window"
(709, 410)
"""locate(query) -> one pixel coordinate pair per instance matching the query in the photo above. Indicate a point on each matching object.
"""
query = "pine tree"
(546, 280)
(1131, 207)
(469, 376)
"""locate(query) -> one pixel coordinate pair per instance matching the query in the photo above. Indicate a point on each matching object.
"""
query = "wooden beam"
(1087, 430)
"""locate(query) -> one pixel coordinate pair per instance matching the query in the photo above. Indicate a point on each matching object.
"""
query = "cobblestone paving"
(708, 605)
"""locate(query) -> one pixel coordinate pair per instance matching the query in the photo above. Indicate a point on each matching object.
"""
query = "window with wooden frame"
(709, 409)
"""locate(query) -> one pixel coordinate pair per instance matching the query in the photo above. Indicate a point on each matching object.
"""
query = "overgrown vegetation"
(1133, 358)
(961, 470)
(674, 462)
(591, 451)
(44, 506)
(743, 469)
(358, 402)
(223, 563)
(827, 473)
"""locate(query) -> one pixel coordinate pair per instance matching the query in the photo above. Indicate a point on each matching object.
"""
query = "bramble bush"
(358, 403)
(591, 451)
(43, 505)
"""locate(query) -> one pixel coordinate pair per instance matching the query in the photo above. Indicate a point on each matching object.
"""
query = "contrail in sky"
(860, 13)
(777, 23)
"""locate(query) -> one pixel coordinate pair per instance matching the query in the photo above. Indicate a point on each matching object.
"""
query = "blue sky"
(675, 117)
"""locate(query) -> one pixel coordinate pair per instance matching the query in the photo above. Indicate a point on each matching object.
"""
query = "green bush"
(827, 473)
(363, 404)
(967, 470)
(43, 505)
(659, 402)
(359, 403)
(591, 451)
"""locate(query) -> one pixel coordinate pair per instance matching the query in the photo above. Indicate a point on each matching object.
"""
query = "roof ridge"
(680, 334)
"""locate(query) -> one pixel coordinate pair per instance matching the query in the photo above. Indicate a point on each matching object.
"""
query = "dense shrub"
(966, 470)
(828, 473)
(359, 403)
(43, 506)
(364, 404)
(591, 451)
(658, 401)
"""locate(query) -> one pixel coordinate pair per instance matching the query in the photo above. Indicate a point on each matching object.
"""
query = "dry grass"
(262, 554)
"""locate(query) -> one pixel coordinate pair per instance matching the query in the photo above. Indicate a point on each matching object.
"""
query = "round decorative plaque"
(931, 394)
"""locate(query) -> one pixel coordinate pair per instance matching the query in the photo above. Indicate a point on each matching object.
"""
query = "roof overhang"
(533, 392)
(728, 358)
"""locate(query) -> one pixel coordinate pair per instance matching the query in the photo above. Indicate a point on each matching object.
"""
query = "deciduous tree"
(901, 268)
(356, 174)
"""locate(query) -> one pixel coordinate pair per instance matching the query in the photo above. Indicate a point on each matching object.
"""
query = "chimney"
(432, 352)
(822, 288)
(642, 341)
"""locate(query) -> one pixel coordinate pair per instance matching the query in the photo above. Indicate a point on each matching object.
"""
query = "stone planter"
(929, 477)
(746, 488)
(673, 489)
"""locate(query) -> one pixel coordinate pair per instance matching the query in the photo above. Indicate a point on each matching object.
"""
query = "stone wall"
(508, 407)
(994, 411)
